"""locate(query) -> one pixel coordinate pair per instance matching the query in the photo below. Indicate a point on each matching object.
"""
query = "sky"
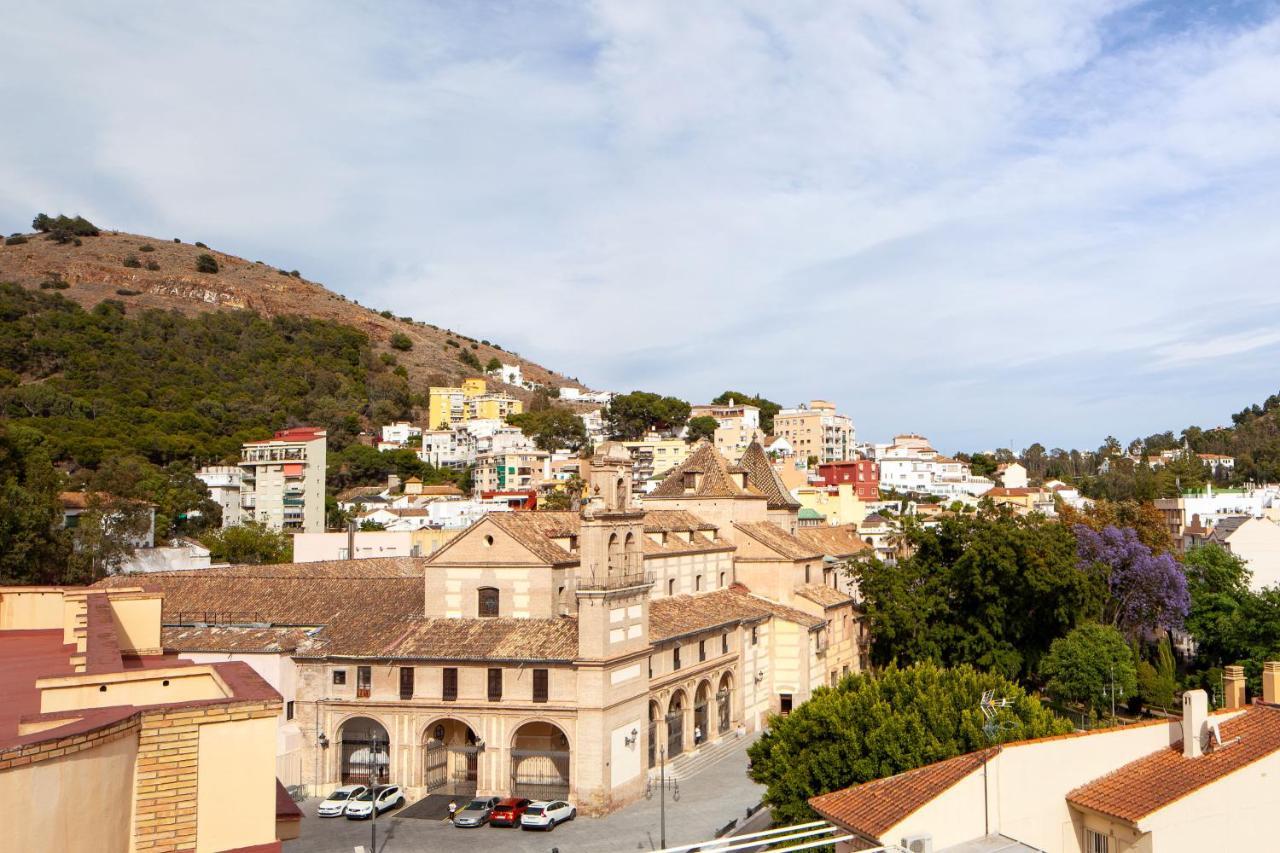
(990, 222)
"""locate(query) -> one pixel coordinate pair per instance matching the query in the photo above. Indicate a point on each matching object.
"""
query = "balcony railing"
(607, 582)
(362, 692)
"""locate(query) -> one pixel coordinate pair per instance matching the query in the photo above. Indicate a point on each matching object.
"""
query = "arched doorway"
(365, 751)
(702, 714)
(450, 758)
(675, 724)
(540, 762)
(724, 703)
(655, 714)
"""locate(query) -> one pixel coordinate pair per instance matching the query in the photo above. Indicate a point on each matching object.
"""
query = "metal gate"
(450, 769)
(675, 734)
(540, 774)
(701, 727)
(364, 762)
(653, 743)
(722, 710)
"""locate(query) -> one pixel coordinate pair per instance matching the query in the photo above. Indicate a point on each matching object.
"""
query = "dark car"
(475, 813)
(507, 812)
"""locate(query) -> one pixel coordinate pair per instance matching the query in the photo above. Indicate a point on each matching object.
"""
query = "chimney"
(1271, 682)
(1195, 714)
(1233, 687)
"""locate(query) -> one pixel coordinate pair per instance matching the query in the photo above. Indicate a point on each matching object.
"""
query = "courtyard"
(713, 795)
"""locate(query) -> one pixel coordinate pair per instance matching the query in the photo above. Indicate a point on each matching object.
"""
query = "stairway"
(690, 764)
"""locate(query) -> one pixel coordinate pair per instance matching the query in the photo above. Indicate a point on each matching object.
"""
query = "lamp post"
(375, 744)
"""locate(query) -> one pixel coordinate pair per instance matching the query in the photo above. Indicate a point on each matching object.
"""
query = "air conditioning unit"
(918, 843)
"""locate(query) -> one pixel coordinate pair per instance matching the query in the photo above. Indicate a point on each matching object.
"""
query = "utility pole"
(373, 789)
(662, 793)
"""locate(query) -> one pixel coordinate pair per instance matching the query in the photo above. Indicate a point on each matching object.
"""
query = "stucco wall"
(137, 623)
(235, 800)
(73, 802)
(160, 687)
(1236, 813)
(30, 609)
(1258, 542)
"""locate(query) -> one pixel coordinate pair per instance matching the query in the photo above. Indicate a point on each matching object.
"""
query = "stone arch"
(655, 729)
(615, 555)
(450, 757)
(724, 702)
(540, 761)
(676, 710)
(364, 751)
(620, 493)
(634, 554)
(702, 712)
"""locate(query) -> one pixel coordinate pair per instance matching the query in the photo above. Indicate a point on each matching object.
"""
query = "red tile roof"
(719, 478)
(1149, 784)
(779, 541)
(873, 808)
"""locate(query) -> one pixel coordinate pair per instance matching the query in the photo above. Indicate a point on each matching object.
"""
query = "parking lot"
(708, 800)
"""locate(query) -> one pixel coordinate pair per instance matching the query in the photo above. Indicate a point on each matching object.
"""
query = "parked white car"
(547, 814)
(389, 797)
(335, 805)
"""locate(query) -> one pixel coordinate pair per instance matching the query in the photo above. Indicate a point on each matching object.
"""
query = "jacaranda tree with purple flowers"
(1146, 591)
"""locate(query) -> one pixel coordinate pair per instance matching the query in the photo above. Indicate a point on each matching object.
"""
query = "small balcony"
(603, 583)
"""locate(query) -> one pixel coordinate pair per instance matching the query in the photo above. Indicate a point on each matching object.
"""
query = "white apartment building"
(910, 464)
(397, 435)
(282, 480)
(738, 426)
(448, 448)
(817, 430)
(223, 482)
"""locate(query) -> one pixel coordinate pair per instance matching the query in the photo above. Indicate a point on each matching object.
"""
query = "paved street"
(708, 800)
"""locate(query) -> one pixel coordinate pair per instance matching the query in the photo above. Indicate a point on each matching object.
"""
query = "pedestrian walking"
(453, 807)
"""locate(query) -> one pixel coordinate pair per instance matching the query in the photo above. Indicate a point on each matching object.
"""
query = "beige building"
(107, 744)
(511, 470)
(1202, 782)
(655, 456)
(549, 654)
(738, 426)
(282, 480)
(816, 430)
(1254, 540)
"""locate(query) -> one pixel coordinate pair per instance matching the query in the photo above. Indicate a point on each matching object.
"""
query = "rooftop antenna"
(992, 726)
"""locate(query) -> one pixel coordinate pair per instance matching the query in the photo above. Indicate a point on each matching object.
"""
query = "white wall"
(315, 547)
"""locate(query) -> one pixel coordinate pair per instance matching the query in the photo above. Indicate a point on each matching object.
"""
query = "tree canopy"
(629, 416)
(552, 428)
(992, 589)
(872, 726)
(32, 548)
(1146, 592)
(1087, 664)
(703, 426)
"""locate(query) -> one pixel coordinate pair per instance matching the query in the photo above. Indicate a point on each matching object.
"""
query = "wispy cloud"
(990, 221)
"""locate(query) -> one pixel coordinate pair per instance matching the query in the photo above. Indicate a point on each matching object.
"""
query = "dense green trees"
(361, 465)
(552, 428)
(1089, 663)
(629, 416)
(872, 726)
(703, 426)
(249, 543)
(32, 551)
(991, 589)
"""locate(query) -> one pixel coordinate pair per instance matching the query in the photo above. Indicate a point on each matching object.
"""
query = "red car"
(507, 812)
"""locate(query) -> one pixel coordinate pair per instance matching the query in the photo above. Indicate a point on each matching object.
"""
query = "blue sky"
(991, 222)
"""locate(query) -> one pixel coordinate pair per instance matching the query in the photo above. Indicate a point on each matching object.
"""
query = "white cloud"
(987, 221)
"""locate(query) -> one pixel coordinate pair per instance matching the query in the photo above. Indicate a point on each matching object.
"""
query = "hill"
(165, 277)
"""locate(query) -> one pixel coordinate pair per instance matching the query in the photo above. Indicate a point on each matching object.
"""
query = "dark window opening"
(702, 650)
(675, 658)
(784, 703)
(364, 681)
(450, 690)
(288, 710)
(339, 676)
(495, 685)
(406, 682)
(488, 601)
(540, 685)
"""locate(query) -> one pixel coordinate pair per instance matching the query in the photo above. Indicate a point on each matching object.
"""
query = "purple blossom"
(1147, 591)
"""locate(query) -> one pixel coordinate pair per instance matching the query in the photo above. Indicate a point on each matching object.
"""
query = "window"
(671, 586)
(339, 676)
(724, 644)
(722, 580)
(697, 583)
(540, 685)
(488, 601)
(651, 666)
(806, 573)
(755, 635)
(364, 681)
(835, 677)
(288, 710)
(495, 685)
(675, 658)
(1096, 842)
(450, 688)
(784, 703)
(702, 650)
(406, 682)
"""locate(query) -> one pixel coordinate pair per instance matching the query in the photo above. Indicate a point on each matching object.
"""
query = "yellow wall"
(841, 508)
(473, 387)
(77, 692)
(73, 802)
(30, 609)
(137, 623)
(236, 798)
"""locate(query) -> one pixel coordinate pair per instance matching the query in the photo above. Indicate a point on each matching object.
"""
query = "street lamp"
(375, 745)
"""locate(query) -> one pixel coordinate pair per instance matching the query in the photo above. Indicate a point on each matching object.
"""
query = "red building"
(862, 473)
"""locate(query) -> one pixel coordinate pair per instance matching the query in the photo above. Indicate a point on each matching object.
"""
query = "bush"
(469, 358)
(153, 265)
(282, 272)
(124, 291)
(401, 342)
(388, 359)
(176, 240)
(69, 226)
(200, 245)
(450, 342)
(132, 262)
(206, 263)
(54, 284)
(387, 314)
(295, 273)
(15, 240)
(492, 366)
(146, 247)
(475, 346)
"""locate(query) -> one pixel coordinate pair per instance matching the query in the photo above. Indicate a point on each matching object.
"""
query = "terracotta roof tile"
(778, 540)
(873, 808)
(824, 595)
(718, 477)
(488, 639)
(1149, 784)
(681, 615)
(760, 473)
(837, 541)
(231, 638)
